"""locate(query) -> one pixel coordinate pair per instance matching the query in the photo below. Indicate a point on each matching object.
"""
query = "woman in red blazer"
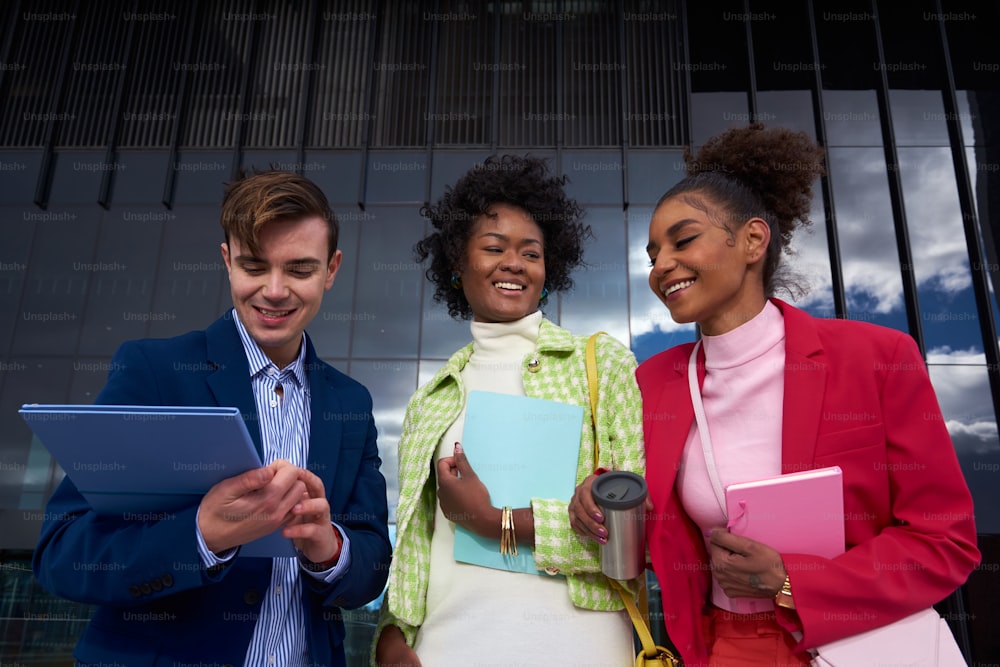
(784, 392)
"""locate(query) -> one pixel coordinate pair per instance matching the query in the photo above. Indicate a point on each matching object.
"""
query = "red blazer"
(858, 396)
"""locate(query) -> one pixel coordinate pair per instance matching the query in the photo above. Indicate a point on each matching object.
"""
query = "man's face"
(278, 292)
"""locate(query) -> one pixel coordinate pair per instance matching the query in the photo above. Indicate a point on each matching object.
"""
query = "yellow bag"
(651, 654)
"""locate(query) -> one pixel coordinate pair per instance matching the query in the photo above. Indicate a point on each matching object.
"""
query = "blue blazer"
(156, 603)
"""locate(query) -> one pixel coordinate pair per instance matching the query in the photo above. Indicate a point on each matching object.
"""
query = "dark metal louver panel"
(216, 69)
(466, 68)
(654, 70)
(340, 90)
(402, 75)
(33, 67)
(150, 108)
(592, 69)
(237, 74)
(96, 68)
(282, 66)
(528, 104)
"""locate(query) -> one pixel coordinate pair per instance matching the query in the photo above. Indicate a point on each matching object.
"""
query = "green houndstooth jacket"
(560, 376)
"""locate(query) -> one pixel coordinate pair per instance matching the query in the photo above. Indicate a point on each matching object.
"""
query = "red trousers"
(749, 640)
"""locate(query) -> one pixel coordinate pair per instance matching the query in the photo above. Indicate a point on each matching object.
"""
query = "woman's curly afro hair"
(524, 182)
(756, 172)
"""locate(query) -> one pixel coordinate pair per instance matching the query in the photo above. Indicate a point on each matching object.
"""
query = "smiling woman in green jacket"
(506, 236)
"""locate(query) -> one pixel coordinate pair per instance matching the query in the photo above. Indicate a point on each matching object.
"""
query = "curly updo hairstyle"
(755, 172)
(524, 182)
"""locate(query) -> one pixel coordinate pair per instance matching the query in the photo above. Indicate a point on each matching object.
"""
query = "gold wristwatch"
(783, 598)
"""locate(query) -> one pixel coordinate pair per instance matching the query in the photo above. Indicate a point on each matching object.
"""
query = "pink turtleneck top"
(742, 394)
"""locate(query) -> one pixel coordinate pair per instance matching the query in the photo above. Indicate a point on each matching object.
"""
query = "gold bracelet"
(513, 538)
(503, 531)
(508, 541)
(508, 531)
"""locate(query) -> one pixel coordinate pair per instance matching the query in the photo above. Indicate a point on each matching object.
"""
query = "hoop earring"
(544, 297)
(456, 280)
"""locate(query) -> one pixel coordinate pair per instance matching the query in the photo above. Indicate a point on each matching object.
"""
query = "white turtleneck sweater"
(486, 616)
(742, 393)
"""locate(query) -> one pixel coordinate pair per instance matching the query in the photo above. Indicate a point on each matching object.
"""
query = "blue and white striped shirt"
(280, 632)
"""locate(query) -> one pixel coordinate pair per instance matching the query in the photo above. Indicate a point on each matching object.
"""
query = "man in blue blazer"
(174, 589)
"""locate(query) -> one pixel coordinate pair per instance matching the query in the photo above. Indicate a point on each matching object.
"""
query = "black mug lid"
(618, 490)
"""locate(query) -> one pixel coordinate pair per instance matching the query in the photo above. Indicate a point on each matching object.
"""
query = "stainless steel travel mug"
(621, 496)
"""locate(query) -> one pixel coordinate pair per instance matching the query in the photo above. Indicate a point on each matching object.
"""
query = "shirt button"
(534, 365)
(274, 403)
(277, 590)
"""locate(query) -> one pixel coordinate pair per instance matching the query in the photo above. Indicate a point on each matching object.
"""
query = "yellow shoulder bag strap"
(651, 654)
(591, 358)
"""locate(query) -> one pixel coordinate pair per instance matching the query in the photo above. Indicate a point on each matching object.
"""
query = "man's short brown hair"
(256, 199)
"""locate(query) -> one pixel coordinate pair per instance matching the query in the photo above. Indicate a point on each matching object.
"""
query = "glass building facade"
(121, 121)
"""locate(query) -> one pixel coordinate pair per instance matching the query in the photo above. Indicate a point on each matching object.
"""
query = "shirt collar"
(259, 362)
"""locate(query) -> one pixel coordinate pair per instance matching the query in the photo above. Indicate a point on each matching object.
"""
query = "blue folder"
(149, 461)
(521, 448)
